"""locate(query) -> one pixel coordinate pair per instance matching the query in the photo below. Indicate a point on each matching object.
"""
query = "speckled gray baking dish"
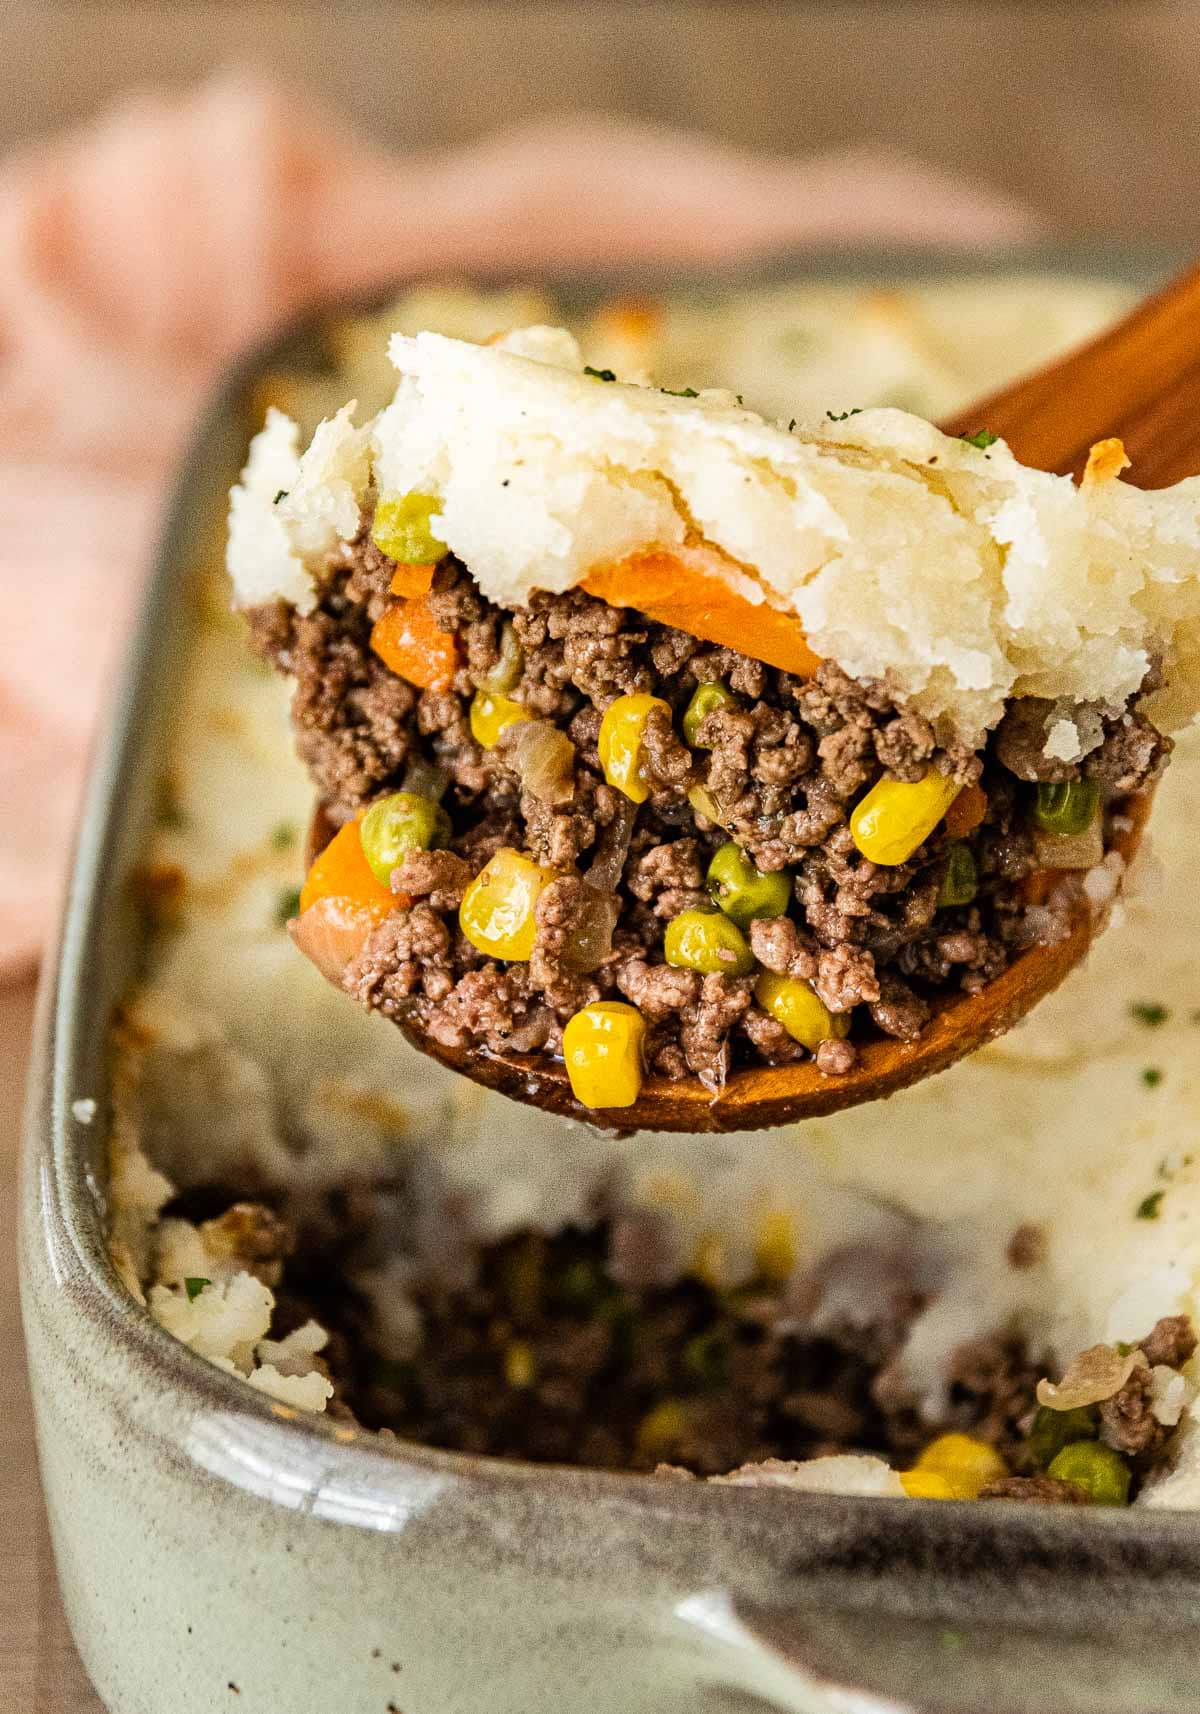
(218, 1553)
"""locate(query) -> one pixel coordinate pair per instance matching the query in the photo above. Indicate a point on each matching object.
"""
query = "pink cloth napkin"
(138, 254)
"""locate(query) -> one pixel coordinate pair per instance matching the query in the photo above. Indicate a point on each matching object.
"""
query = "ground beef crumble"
(783, 767)
(589, 1347)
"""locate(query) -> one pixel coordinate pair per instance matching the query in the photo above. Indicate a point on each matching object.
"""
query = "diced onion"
(1093, 1376)
(704, 803)
(543, 757)
(612, 848)
(501, 678)
(426, 779)
(1070, 850)
(590, 939)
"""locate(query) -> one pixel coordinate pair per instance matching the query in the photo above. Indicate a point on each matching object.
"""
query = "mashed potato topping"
(943, 566)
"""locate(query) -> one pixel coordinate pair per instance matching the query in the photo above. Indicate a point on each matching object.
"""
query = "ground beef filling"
(784, 764)
(577, 1348)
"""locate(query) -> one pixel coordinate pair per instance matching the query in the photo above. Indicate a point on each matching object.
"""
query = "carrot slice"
(409, 580)
(407, 639)
(342, 872)
(671, 592)
(966, 812)
(331, 933)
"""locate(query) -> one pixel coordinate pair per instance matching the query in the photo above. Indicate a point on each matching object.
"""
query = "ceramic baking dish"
(217, 1552)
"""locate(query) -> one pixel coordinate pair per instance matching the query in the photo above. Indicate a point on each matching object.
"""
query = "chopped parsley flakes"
(1149, 1012)
(1149, 1206)
(194, 1287)
(841, 416)
(599, 374)
(283, 835)
(282, 495)
(1152, 1076)
(680, 392)
(981, 439)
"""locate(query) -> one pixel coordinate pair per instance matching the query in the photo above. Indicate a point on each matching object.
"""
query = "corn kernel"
(967, 1463)
(776, 1249)
(705, 804)
(491, 714)
(519, 1365)
(602, 1047)
(928, 1485)
(620, 743)
(661, 1430)
(497, 912)
(896, 817)
(793, 1004)
(401, 528)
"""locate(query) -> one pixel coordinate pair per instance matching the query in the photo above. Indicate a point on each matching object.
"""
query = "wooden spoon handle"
(1139, 381)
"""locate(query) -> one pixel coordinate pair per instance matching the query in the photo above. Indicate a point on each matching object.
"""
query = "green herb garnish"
(282, 495)
(1148, 1207)
(1149, 1012)
(194, 1287)
(680, 392)
(283, 835)
(1152, 1076)
(981, 439)
(840, 416)
(599, 374)
(287, 905)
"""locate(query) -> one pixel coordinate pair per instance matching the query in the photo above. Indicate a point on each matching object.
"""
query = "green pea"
(744, 892)
(1102, 1473)
(706, 1357)
(706, 700)
(582, 1285)
(401, 528)
(961, 879)
(397, 825)
(1068, 807)
(709, 942)
(1054, 1429)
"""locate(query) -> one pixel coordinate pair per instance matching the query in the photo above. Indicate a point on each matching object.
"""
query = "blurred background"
(1088, 111)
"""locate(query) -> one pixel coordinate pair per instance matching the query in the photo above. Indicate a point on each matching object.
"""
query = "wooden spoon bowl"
(1139, 381)
(759, 1097)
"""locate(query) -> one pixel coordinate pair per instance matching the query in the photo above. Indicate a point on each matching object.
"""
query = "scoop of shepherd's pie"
(655, 734)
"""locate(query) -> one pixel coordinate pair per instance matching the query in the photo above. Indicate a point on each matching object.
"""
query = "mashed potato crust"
(948, 569)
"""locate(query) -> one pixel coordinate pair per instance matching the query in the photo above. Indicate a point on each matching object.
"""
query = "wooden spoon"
(1139, 381)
